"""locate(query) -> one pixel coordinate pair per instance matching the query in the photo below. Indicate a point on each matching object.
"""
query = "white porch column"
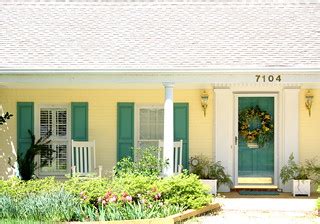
(290, 129)
(223, 131)
(168, 128)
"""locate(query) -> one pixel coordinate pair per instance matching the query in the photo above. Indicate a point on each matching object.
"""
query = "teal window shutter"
(181, 129)
(79, 121)
(125, 130)
(25, 122)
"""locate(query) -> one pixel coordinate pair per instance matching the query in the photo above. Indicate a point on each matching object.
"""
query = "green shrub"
(134, 185)
(147, 163)
(184, 190)
(17, 188)
(89, 188)
(53, 206)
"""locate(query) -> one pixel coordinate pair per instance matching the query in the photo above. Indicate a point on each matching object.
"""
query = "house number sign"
(268, 78)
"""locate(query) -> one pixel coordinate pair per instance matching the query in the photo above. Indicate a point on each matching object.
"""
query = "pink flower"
(104, 202)
(128, 198)
(157, 196)
(114, 198)
(108, 194)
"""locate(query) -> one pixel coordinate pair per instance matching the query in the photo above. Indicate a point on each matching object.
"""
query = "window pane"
(45, 159)
(151, 124)
(61, 157)
(45, 121)
(61, 123)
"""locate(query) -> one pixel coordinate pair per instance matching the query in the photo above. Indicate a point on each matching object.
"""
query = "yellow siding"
(102, 117)
(310, 127)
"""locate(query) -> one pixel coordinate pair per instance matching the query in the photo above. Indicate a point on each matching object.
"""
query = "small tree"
(26, 161)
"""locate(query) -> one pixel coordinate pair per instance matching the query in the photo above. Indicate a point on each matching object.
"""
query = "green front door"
(256, 151)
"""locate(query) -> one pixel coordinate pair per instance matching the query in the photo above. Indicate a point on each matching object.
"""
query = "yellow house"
(230, 79)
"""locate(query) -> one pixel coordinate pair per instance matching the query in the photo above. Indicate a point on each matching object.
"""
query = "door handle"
(235, 140)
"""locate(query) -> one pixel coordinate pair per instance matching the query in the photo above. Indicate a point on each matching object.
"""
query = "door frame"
(276, 131)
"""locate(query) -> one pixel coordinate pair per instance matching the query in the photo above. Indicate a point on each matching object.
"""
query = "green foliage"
(293, 171)
(130, 211)
(135, 192)
(27, 163)
(16, 188)
(5, 117)
(255, 125)
(92, 188)
(147, 163)
(206, 169)
(53, 206)
(184, 190)
(134, 185)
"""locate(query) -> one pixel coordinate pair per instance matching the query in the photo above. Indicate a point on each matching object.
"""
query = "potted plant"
(299, 174)
(210, 173)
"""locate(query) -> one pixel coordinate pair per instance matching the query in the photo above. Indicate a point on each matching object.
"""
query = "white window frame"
(137, 119)
(38, 107)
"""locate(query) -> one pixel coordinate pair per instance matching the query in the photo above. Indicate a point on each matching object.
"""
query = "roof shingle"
(155, 35)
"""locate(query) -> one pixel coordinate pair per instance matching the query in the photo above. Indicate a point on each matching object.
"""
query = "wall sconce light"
(309, 99)
(204, 101)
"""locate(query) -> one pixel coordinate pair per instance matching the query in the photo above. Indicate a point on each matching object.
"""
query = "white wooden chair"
(83, 157)
(177, 155)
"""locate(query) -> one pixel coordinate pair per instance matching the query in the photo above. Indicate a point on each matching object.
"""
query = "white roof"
(212, 34)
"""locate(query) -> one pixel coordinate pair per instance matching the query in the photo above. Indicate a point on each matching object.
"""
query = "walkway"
(255, 210)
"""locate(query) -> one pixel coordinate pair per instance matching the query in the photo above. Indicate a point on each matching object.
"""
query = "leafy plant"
(5, 117)
(217, 172)
(313, 169)
(293, 171)
(26, 161)
(206, 169)
(184, 190)
(54, 206)
(135, 185)
(16, 188)
(92, 188)
(147, 163)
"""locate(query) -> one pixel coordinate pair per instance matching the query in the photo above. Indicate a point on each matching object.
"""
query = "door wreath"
(255, 126)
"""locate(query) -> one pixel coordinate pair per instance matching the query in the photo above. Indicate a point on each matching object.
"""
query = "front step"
(255, 180)
(255, 187)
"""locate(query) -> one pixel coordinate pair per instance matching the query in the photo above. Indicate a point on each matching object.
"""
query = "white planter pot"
(212, 184)
(301, 187)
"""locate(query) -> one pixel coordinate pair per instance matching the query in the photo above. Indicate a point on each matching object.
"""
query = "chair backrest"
(83, 156)
(177, 155)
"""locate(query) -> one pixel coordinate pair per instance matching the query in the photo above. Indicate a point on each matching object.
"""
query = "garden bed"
(135, 192)
(190, 213)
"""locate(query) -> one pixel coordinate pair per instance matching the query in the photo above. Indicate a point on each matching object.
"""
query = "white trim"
(38, 107)
(107, 80)
(276, 131)
(291, 113)
(224, 150)
(216, 69)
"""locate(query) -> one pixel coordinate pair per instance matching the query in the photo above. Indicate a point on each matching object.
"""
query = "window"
(55, 120)
(150, 126)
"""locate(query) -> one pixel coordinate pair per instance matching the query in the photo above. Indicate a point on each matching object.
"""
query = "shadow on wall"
(7, 151)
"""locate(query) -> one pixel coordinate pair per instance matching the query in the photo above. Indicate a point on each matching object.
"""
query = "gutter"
(274, 70)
